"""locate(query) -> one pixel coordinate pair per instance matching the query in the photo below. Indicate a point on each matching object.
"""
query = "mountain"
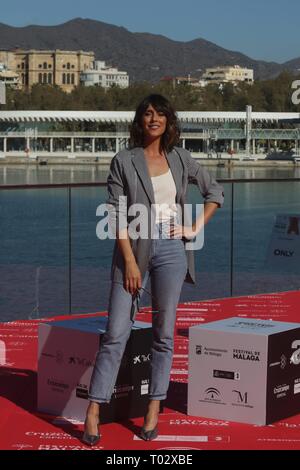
(144, 56)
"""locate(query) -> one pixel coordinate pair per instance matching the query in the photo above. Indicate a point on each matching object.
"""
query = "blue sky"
(262, 29)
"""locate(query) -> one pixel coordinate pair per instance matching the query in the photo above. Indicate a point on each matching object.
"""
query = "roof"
(127, 116)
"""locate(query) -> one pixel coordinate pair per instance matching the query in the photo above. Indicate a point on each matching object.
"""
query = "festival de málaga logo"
(246, 355)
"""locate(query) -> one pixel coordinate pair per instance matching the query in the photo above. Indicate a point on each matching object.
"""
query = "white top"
(164, 195)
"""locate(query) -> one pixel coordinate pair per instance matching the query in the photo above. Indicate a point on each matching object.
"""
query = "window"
(40, 78)
(23, 65)
(40, 66)
(73, 66)
(49, 66)
(68, 65)
(68, 79)
(45, 78)
(64, 78)
(73, 79)
(45, 65)
(50, 78)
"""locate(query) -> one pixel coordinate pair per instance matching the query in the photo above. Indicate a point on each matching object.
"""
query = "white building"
(9, 77)
(228, 74)
(105, 76)
(31, 134)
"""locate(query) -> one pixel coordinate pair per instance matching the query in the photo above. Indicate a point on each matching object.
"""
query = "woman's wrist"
(129, 259)
(196, 229)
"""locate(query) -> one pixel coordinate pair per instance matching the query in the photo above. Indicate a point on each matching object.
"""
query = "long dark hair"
(161, 105)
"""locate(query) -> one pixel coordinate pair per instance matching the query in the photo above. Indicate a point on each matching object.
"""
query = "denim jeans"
(167, 269)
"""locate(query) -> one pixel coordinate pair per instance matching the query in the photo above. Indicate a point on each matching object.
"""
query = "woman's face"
(154, 124)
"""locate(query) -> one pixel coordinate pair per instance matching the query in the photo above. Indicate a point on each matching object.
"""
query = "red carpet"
(21, 427)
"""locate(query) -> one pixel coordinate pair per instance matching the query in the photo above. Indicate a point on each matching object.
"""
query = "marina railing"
(52, 263)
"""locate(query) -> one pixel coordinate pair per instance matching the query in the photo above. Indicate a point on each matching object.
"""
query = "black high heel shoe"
(149, 435)
(90, 439)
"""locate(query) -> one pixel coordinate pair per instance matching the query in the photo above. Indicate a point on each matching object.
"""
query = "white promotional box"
(244, 370)
(283, 253)
(66, 355)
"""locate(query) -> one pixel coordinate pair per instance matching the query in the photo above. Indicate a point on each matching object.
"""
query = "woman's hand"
(132, 277)
(181, 231)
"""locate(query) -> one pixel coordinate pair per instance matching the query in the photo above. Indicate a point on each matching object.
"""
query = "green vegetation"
(265, 95)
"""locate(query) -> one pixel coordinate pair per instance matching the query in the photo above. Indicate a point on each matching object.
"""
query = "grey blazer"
(129, 177)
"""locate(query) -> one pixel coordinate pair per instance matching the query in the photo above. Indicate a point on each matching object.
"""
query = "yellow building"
(55, 67)
(228, 74)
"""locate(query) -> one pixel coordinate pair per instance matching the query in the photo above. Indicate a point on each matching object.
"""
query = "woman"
(154, 173)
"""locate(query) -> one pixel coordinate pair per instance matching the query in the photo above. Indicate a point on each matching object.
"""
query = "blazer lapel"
(141, 167)
(140, 164)
(176, 170)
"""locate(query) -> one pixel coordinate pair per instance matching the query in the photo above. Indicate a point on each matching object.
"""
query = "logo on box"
(295, 359)
(245, 355)
(213, 394)
(241, 397)
(141, 359)
(224, 374)
(145, 387)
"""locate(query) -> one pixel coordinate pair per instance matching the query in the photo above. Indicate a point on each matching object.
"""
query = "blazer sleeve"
(116, 202)
(208, 186)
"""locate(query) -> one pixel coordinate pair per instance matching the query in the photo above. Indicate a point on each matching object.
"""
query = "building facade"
(181, 80)
(102, 75)
(54, 134)
(53, 67)
(228, 74)
(8, 77)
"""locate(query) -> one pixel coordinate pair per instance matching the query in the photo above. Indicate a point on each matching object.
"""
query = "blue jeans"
(167, 269)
